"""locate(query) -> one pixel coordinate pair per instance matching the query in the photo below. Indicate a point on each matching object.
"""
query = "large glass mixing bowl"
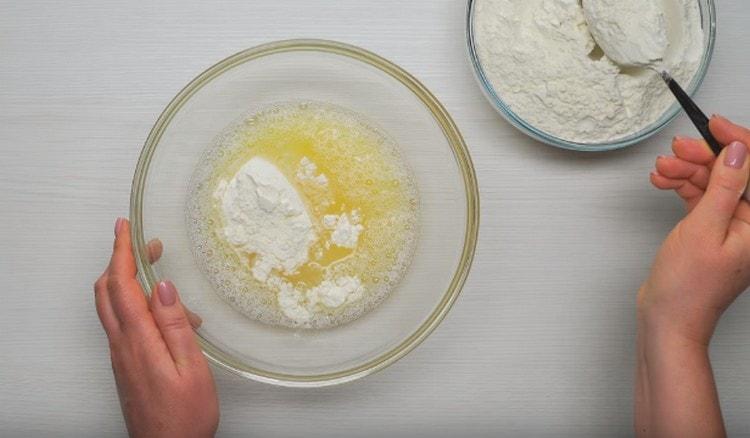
(386, 95)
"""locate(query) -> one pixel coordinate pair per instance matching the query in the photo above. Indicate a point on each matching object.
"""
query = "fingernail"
(167, 293)
(118, 225)
(195, 320)
(736, 155)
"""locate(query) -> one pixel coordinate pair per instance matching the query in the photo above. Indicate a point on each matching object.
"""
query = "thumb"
(174, 325)
(729, 179)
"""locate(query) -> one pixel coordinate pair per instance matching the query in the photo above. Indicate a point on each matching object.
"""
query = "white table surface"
(540, 342)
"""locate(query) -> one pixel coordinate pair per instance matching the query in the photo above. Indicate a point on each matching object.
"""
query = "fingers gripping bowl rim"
(458, 150)
(708, 20)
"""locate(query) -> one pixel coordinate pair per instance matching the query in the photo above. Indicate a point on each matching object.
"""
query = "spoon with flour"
(633, 34)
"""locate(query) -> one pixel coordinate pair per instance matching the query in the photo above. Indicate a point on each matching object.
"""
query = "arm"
(675, 390)
(701, 268)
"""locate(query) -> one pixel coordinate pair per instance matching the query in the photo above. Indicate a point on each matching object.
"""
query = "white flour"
(543, 62)
(631, 33)
(265, 217)
(300, 305)
(344, 228)
(307, 172)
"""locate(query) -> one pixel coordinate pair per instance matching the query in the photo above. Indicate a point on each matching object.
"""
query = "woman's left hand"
(165, 385)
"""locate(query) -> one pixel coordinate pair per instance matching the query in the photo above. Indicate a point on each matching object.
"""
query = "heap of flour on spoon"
(631, 33)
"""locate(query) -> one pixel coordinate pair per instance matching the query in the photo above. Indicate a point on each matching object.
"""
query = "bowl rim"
(148, 279)
(537, 134)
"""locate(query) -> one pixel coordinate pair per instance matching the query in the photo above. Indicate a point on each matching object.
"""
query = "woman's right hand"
(701, 268)
(705, 262)
(701, 182)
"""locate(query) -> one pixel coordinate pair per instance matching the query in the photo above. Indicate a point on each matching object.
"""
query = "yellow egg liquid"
(365, 173)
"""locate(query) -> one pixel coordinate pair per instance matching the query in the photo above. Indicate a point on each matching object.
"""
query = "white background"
(539, 344)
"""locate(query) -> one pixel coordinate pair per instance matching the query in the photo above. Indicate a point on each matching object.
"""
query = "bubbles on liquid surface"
(366, 172)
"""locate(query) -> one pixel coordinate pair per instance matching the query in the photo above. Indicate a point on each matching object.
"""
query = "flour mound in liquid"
(303, 215)
(264, 215)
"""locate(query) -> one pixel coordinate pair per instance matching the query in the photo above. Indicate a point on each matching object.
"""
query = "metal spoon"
(693, 111)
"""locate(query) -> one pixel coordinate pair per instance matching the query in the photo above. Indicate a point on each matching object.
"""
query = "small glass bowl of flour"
(539, 66)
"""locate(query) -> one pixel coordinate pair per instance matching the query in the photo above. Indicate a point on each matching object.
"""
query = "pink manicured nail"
(118, 225)
(736, 155)
(167, 293)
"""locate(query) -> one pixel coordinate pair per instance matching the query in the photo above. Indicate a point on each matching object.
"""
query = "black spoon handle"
(696, 115)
